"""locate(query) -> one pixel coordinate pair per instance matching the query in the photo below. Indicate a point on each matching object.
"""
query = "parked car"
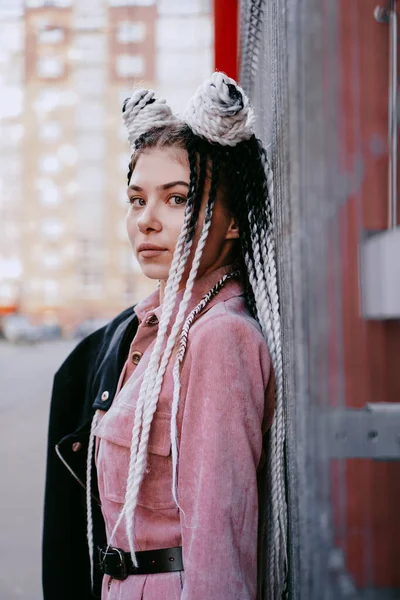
(88, 326)
(50, 331)
(19, 330)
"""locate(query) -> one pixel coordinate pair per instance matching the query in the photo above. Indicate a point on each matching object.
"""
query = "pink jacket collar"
(202, 286)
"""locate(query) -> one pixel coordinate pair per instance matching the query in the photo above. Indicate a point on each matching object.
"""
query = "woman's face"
(157, 195)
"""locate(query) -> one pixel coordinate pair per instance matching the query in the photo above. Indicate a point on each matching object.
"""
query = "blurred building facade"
(66, 67)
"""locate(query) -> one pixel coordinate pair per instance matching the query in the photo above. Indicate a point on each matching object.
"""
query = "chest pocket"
(115, 433)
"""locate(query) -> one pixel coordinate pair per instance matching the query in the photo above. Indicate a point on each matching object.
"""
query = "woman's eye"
(177, 200)
(136, 202)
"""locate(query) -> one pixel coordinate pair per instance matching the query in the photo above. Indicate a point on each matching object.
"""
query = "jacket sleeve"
(65, 557)
(65, 561)
(224, 383)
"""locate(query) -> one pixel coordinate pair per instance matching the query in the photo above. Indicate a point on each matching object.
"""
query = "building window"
(47, 100)
(10, 268)
(12, 37)
(123, 161)
(67, 154)
(131, 2)
(52, 228)
(48, 192)
(90, 80)
(122, 131)
(130, 65)
(89, 49)
(51, 292)
(51, 35)
(48, 3)
(72, 187)
(125, 265)
(49, 164)
(128, 262)
(51, 261)
(11, 165)
(179, 7)
(90, 117)
(11, 134)
(91, 282)
(50, 131)
(91, 178)
(123, 197)
(50, 67)
(130, 32)
(121, 230)
(91, 146)
(89, 250)
(11, 101)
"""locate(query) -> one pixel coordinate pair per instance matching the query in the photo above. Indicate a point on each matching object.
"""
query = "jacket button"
(76, 446)
(152, 320)
(136, 356)
(105, 396)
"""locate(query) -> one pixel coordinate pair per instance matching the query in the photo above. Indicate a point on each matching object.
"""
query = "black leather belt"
(118, 564)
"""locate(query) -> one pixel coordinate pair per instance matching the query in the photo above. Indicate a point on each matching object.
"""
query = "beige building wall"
(65, 245)
(49, 164)
(11, 148)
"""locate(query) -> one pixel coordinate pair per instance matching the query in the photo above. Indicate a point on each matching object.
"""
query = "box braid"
(154, 375)
(235, 192)
(220, 113)
(260, 263)
(170, 292)
(217, 132)
(147, 141)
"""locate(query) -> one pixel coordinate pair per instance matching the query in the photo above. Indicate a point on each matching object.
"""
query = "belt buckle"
(122, 563)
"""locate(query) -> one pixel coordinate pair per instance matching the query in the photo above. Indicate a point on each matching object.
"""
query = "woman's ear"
(232, 232)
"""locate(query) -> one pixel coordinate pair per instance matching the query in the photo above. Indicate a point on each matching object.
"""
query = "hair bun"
(220, 111)
(142, 112)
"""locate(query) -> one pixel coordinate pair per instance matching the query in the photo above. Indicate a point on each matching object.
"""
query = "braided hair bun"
(220, 112)
(142, 112)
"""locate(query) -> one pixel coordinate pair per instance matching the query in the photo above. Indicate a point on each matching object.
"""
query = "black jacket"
(91, 369)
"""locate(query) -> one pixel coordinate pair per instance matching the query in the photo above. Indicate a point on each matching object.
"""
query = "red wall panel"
(371, 349)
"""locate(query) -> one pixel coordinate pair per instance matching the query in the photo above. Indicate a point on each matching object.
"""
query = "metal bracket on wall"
(370, 432)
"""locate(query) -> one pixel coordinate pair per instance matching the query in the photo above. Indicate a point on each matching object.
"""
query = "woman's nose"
(149, 220)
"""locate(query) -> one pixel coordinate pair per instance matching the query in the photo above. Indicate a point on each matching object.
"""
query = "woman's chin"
(154, 271)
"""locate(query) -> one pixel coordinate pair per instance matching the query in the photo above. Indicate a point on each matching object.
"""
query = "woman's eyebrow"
(164, 186)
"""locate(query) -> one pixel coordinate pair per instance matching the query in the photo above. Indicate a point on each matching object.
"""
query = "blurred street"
(26, 374)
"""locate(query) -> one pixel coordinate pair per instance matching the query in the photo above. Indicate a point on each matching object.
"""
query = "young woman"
(175, 438)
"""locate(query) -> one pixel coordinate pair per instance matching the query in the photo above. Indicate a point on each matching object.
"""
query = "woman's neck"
(222, 261)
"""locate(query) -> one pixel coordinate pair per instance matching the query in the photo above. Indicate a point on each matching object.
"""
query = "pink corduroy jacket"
(227, 401)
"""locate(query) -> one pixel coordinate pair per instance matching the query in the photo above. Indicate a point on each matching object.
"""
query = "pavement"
(26, 374)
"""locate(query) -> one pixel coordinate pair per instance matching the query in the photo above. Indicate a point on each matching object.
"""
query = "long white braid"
(277, 520)
(132, 113)
(262, 277)
(220, 113)
(151, 402)
(177, 371)
(278, 431)
(176, 271)
(264, 284)
(89, 533)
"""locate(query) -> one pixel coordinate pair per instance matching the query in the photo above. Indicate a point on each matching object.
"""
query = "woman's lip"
(150, 253)
(147, 246)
